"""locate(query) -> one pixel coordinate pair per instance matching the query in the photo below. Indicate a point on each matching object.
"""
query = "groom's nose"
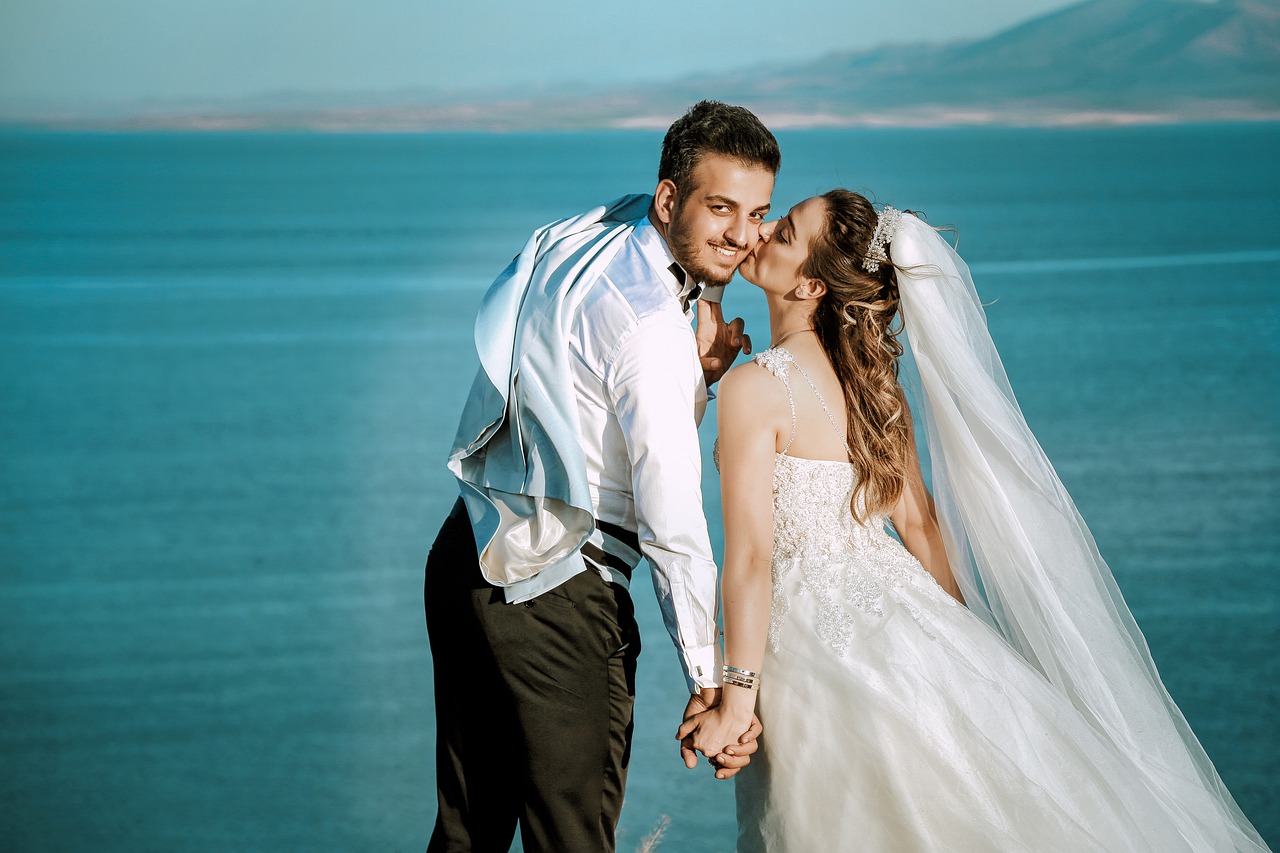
(740, 232)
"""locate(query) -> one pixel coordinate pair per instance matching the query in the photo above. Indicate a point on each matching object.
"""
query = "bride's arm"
(751, 410)
(917, 524)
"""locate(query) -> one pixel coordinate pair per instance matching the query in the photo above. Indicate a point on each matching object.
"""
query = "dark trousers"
(533, 706)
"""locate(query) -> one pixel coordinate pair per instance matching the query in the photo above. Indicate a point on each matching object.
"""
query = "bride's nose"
(766, 230)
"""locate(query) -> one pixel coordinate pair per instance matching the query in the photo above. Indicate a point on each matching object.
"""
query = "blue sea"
(230, 368)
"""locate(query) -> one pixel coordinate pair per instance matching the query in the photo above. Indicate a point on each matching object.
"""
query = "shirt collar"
(658, 254)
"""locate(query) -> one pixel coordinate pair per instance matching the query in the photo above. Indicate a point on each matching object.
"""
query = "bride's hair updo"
(855, 322)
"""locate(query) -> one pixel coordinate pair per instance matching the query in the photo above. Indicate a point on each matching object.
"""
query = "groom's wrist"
(702, 666)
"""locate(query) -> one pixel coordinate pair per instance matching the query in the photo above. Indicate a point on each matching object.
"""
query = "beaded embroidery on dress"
(820, 550)
(896, 720)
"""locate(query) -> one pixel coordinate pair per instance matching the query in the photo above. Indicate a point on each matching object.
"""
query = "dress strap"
(822, 402)
(775, 361)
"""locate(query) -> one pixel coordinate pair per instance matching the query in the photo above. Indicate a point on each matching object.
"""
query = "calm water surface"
(230, 368)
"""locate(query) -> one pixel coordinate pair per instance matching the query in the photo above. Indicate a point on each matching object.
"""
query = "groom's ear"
(664, 200)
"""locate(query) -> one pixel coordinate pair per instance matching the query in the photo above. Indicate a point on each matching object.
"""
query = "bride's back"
(819, 431)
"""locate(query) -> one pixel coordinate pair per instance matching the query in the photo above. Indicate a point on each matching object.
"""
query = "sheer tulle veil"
(1024, 557)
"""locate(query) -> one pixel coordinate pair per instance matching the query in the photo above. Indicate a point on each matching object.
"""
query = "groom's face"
(715, 221)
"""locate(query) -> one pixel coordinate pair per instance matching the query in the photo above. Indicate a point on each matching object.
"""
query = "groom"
(577, 454)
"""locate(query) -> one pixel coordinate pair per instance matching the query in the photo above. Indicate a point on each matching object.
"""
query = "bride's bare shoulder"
(751, 383)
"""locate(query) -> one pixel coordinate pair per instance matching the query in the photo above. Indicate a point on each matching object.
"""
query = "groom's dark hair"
(710, 127)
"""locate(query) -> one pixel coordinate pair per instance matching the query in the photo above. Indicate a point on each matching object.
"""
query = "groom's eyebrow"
(729, 202)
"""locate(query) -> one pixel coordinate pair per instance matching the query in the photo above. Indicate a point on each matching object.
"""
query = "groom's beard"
(688, 252)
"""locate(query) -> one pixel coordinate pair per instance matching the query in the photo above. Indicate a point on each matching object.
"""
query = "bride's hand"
(712, 732)
(737, 756)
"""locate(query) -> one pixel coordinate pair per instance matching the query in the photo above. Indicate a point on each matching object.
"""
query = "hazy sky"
(127, 49)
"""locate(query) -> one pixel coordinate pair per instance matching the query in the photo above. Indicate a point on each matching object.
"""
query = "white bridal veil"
(1023, 556)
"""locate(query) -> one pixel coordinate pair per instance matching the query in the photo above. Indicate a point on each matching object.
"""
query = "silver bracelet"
(740, 677)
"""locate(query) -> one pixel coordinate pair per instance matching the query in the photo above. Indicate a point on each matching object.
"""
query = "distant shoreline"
(1092, 64)
(427, 121)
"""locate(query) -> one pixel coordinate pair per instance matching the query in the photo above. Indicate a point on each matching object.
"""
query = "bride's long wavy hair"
(856, 321)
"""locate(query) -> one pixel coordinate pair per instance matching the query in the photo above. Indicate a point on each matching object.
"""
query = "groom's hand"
(718, 342)
(707, 699)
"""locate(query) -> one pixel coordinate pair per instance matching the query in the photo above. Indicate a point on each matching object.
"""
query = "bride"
(981, 686)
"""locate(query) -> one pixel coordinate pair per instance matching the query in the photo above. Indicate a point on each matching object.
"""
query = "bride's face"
(774, 264)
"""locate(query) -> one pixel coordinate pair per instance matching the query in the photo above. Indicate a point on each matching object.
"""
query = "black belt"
(600, 556)
(590, 550)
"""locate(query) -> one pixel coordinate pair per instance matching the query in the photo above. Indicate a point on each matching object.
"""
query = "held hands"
(718, 342)
(707, 728)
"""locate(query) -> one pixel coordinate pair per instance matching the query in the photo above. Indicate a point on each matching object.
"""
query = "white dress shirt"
(640, 397)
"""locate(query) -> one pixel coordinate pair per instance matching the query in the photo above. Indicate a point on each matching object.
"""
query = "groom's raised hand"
(718, 342)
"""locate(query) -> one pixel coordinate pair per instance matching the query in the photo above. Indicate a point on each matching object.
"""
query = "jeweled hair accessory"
(886, 226)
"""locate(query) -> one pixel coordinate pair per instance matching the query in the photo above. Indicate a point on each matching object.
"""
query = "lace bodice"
(819, 548)
(812, 515)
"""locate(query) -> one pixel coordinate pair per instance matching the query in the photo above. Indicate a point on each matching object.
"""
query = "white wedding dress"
(897, 720)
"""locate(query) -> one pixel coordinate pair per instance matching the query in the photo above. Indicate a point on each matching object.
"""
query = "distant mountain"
(1099, 62)
(1157, 58)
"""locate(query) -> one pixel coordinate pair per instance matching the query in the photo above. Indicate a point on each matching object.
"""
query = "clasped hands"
(728, 744)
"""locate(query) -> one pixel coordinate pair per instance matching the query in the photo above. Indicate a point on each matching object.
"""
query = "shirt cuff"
(713, 293)
(702, 667)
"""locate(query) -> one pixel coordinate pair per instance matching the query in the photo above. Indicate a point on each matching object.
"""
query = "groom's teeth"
(728, 253)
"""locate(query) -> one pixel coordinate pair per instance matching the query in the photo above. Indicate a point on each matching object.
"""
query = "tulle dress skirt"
(896, 720)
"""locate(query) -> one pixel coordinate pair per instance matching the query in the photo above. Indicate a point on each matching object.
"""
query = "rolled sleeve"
(655, 382)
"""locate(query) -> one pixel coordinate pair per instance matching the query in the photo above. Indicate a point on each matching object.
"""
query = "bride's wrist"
(738, 703)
